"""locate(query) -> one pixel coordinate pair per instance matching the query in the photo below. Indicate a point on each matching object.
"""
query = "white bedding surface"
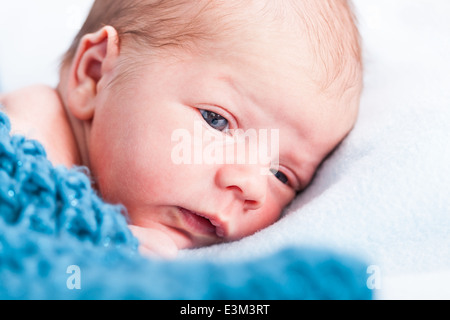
(415, 286)
(384, 195)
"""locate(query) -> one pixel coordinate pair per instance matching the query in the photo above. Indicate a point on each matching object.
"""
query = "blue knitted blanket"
(60, 240)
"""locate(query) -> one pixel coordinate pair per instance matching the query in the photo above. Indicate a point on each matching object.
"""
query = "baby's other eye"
(216, 121)
(280, 176)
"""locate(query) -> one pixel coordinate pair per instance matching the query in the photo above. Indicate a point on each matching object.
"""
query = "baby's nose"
(246, 181)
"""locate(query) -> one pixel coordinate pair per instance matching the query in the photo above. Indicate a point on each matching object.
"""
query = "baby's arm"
(154, 242)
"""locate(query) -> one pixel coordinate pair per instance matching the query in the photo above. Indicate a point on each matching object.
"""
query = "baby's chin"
(185, 240)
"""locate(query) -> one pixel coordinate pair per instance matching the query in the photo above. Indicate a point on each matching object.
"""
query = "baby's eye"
(216, 121)
(280, 176)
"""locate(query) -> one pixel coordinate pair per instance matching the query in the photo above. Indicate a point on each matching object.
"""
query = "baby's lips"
(220, 227)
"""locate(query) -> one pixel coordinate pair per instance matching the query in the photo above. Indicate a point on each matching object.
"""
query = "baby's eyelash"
(280, 176)
(215, 120)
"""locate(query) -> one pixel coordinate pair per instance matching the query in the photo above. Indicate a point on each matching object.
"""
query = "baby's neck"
(37, 112)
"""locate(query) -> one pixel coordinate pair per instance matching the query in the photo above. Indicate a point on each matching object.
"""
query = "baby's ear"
(95, 58)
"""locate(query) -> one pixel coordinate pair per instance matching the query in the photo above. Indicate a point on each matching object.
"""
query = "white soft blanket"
(384, 195)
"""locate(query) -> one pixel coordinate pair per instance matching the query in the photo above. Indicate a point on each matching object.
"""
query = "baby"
(142, 76)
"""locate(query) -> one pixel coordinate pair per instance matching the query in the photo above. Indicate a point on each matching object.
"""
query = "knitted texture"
(54, 201)
(51, 219)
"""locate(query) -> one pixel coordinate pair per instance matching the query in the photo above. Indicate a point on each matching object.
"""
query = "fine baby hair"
(185, 24)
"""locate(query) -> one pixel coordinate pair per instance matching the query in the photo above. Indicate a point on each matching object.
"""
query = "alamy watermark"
(203, 146)
(74, 280)
(374, 277)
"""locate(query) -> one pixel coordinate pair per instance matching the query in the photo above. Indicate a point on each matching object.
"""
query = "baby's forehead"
(324, 29)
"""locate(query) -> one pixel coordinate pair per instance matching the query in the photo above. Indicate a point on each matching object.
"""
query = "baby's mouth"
(200, 223)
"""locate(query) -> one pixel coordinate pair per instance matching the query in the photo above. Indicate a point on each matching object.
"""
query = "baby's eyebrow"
(227, 79)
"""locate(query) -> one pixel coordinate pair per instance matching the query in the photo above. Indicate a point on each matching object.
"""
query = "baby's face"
(164, 142)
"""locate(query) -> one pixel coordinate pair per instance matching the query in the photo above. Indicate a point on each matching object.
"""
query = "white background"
(33, 36)
(35, 33)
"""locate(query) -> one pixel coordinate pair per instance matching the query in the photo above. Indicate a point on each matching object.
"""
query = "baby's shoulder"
(35, 93)
(28, 99)
(37, 112)
(30, 107)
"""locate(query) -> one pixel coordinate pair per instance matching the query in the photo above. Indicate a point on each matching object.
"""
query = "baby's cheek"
(116, 175)
(144, 176)
(257, 220)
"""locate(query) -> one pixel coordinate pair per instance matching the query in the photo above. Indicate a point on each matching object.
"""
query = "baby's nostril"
(251, 204)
